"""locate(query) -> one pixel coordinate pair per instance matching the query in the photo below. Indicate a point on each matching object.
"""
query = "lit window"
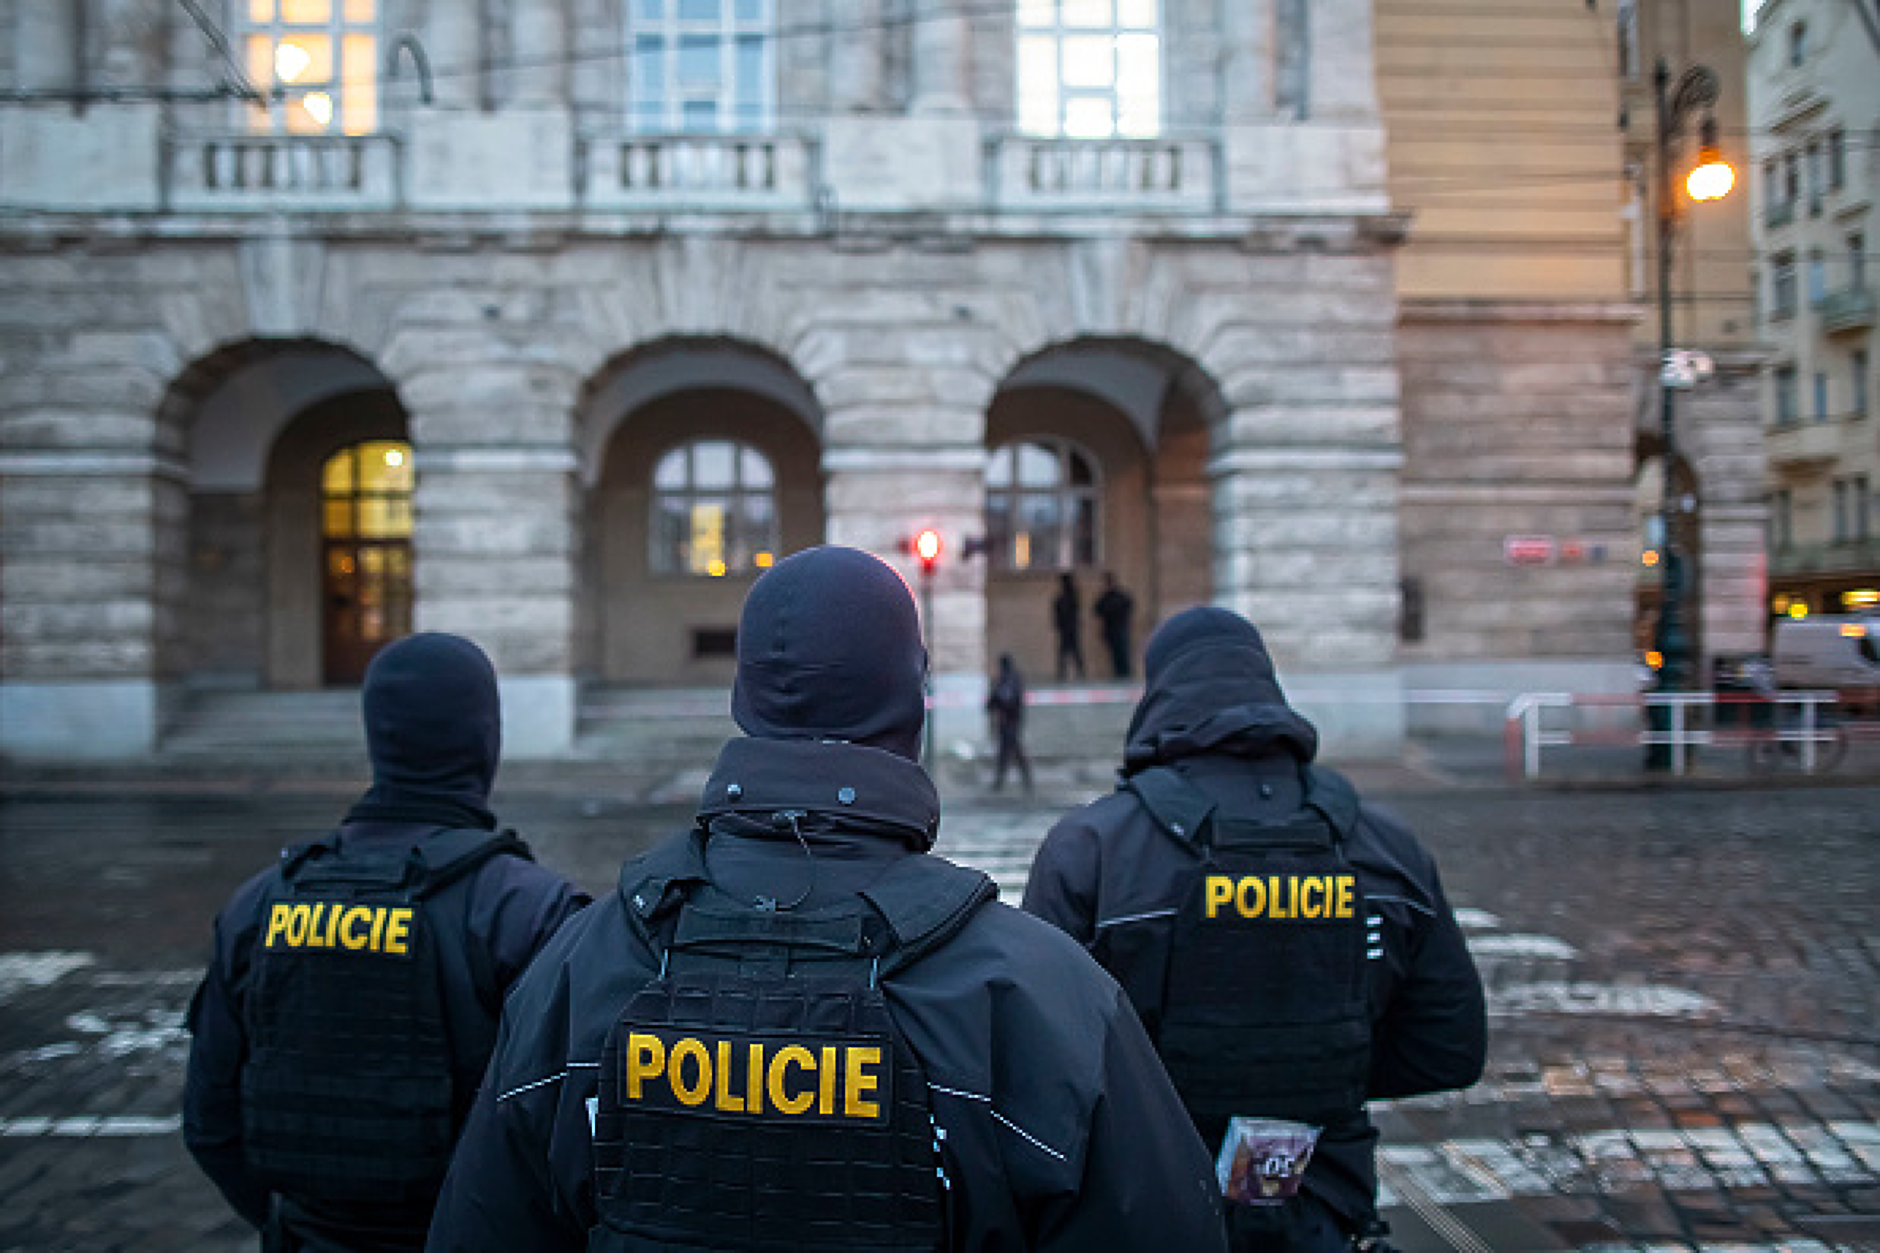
(1089, 69)
(714, 510)
(318, 63)
(1041, 506)
(700, 65)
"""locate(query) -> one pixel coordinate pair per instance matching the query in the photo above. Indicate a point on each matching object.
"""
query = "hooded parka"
(1112, 877)
(1055, 1125)
(433, 730)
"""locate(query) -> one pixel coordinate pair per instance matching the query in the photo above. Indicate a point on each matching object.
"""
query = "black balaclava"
(433, 731)
(829, 649)
(1209, 686)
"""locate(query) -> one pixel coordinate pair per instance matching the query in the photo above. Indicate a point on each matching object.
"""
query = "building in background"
(555, 321)
(1815, 99)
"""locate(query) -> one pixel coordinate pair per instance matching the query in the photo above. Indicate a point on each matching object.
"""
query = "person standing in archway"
(1113, 609)
(1066, 612)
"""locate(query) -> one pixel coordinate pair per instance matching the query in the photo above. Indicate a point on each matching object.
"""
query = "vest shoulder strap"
(450, 855)
(1178, 806)
(925, 901)
(1333, 796)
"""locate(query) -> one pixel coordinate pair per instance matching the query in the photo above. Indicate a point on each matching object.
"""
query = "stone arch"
(1147, 414)
(642, 624)
(252, 422)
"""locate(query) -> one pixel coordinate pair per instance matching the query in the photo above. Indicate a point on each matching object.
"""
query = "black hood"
(434, 727)
(1210, 687)
(829, 649)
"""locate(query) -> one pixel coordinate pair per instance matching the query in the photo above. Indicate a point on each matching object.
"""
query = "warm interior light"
(763, 561)
(394, 457)
(1712, 179)
(1655, 659)
(1797, 609)
(1649, 557)
(1861, 598)
(319, 107)
(716, 569)
(291, 61)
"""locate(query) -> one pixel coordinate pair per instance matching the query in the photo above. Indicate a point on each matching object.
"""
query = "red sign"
(1529, 550)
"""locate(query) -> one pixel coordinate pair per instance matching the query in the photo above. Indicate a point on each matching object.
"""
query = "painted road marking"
(88, 1127)
(1749, 1155)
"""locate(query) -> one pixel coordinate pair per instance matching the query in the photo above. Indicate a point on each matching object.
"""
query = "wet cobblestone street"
(1684, 988)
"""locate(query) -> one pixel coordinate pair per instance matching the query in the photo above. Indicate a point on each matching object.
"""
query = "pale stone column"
(497, 522)
(904, 449)
(1722, 432)
(1246, 61)
(942, 40)
(451, 39)
(92, 553)
(1341, 60)
(538, 43)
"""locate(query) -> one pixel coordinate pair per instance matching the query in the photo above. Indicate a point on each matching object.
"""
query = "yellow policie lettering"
(1281, 897)
(792, 1080)
(331, 924)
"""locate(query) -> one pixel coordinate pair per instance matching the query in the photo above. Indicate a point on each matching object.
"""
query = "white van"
(1838, 652)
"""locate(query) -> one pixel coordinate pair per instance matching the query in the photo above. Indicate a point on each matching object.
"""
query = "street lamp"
(1696, 89)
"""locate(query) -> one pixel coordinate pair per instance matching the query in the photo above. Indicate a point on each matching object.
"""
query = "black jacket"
(511, 906)
(1214, 712)
(1062, 1131)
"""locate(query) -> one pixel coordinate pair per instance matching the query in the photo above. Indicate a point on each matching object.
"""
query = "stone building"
(1815, 89)
(555, 321)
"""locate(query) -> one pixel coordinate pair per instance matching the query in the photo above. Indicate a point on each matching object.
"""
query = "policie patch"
(340, 926)
(794, 1079)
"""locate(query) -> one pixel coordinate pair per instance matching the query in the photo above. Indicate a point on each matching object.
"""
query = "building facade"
(554, 322)
(1815, 93)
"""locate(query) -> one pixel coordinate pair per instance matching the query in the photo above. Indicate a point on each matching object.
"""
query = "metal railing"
(1683, 726)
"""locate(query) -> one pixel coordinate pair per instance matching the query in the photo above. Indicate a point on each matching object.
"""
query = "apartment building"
(1815, 98)
(554, 322)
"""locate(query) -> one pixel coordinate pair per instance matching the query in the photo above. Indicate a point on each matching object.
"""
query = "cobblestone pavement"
(1683, 980)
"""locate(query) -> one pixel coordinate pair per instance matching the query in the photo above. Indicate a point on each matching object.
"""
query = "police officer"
(792, 1028)
(352, 1001)
(1289, 949)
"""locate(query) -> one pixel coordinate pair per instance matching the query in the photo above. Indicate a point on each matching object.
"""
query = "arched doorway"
(365, 560)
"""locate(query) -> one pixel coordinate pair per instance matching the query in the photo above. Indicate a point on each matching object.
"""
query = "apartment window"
(1858, 392)
(1089, 69)
(1041, 505)
(1781, 518)
(1821, 395)
(1772, 185)
(1857, 260)
(1862, 505)
(701, 66)
(1785, 396)
(1782, 287)
(1798, 43)
(1791, 178)
(322, 56)
(1837, 159)
(1628, 39)
(1817, 279)
(1843, 529)
(714, 510)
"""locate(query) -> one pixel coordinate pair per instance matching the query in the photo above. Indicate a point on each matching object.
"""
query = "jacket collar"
(835, 780)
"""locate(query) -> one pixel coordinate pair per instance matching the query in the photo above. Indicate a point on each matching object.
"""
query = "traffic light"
(926, 546)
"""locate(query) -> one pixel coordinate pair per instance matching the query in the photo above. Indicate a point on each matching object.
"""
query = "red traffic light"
(927, 548)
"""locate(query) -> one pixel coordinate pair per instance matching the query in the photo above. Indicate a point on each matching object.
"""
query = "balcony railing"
(1027, 173)
(302, 172)
(1806, 444)
(1849, 309)
(697, 171)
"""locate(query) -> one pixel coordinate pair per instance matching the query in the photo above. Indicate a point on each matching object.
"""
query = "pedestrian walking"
(345, 1019)
(793, 1027)
(1113, 610)
(1289, 947)
(1067, 622)
(1005, 704)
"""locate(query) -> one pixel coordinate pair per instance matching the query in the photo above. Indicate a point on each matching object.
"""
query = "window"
(1817, 178)
(1857, 261)
(1837, 159)
(701, 66)
(1798, 43)
(714, 510)
(1817, 279)
(1863, 506)
(322, 55)
(1782, 287)
(1791, 178)
(1041, 506)
(1843, 530)
(1785, 396)
(1781, 518)
(1628, 39)
(1089, 69)
(1858, 362)
(1821, 395)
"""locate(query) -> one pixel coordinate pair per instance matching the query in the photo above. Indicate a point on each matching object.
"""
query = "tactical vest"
(1265, 1009)
(348, 1093)
(757, 1094)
